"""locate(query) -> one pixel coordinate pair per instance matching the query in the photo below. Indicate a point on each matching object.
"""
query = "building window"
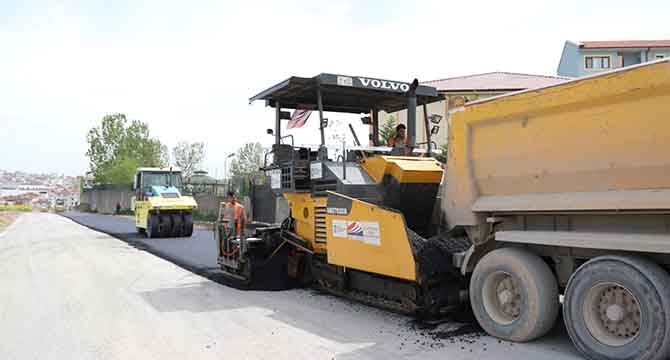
(660, 56)
(597, 62)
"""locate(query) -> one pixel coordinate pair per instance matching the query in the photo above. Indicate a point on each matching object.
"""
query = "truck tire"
(166, 225)
(177, 225)
(618, 307)
(188, 224)
(514, 295)
(152, 225)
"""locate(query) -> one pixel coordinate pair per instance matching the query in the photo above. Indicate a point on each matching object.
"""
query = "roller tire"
(166, 225)
(188, 224)
(535, 285)
(177, 225)
(152, 226)
(646, 282)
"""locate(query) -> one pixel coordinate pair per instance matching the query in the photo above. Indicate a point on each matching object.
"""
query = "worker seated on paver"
(398, 142)
(233, 215)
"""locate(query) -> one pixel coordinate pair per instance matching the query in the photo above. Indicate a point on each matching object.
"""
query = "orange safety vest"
(237, 215)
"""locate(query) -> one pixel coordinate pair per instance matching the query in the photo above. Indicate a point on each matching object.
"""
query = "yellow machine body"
(161, 210)
(372, 239)
(595, 143)
(309, 216)
(365, 236)
(157, 204)
(406, 170)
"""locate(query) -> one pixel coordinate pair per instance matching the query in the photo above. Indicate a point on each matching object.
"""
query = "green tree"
(246, 164)
(248, 160)
(165, 155)
(387, 130)
(118, 143)
(188, 156)
(120, 171)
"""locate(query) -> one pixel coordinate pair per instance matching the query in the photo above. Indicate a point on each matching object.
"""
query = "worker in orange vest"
(234, 212)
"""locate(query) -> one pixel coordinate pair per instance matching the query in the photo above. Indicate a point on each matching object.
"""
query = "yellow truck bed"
(595, 143)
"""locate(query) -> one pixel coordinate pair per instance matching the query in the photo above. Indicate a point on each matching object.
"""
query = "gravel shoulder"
(6, 219)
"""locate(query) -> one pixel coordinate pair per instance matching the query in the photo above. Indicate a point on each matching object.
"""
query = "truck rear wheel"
(514, 295)
(166, 225)
(618, 307)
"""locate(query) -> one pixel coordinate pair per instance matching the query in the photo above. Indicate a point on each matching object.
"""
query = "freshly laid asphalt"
(196, 253)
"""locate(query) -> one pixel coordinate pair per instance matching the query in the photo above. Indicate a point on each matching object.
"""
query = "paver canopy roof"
(341, 93)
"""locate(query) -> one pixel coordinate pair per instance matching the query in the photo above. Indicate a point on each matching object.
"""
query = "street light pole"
(225, 167)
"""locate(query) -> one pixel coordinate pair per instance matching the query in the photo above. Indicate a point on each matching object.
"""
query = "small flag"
(299, 117)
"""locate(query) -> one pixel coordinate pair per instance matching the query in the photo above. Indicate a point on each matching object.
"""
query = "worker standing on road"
(399, 140)
(234, 211)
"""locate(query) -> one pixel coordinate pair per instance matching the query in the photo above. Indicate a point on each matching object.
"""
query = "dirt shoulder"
(6, 218)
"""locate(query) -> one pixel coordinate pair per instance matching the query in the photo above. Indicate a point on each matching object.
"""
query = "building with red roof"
(591, 57)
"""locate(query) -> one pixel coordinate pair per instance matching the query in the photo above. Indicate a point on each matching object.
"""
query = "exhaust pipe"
(411, 114)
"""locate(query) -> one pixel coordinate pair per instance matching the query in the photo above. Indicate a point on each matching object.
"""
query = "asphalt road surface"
(68, 292)
(196, 253)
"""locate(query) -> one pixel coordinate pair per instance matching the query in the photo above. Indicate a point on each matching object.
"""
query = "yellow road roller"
(160, 208)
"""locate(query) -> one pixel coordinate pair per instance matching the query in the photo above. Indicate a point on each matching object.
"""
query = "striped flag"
(299, 117)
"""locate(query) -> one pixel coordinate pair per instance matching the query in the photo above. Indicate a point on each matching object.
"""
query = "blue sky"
(188, 68)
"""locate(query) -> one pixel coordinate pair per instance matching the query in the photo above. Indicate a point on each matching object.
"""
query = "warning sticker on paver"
(275, 179)
(363, 231)
(315, 170)
(339, 228)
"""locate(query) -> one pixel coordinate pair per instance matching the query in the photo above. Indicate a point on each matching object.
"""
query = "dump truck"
(562, 190)
(566, 190)
(161, 210)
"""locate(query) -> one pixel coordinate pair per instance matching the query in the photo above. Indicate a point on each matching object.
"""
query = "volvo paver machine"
(359, 225)
(160, 208)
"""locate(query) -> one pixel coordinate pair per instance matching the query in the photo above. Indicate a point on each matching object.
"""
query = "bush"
(23, 208)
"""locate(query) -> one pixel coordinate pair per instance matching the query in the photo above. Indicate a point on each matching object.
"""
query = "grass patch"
(18, 208)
